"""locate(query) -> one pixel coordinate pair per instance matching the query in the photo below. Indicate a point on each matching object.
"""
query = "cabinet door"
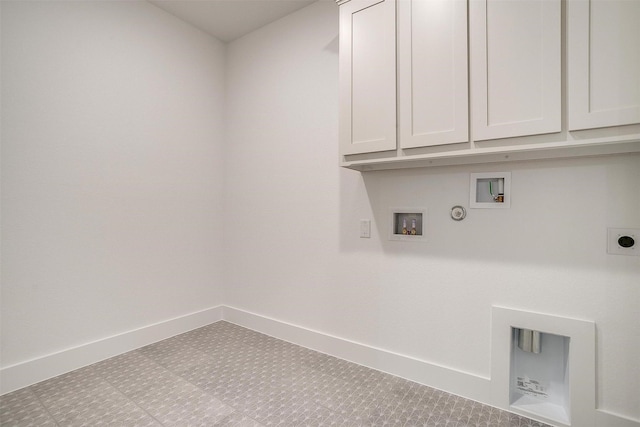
(603, 49)
(367, 76)
(515, 67)
(433, 88)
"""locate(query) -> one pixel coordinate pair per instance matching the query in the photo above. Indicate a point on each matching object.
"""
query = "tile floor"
(226, 375)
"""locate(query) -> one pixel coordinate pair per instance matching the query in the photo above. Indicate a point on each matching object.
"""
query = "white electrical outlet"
(623, 241)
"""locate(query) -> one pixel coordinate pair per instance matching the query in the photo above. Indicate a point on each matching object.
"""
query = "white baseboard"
(608, 419)
(457, 382)
(444, 378)
(451, 380)
(24, 374)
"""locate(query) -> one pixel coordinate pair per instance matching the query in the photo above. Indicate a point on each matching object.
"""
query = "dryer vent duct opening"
(528, 340)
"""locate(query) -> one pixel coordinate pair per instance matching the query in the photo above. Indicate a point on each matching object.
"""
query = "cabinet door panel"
(433, 88)
(367, 76)
(603, 63)
(516, 67)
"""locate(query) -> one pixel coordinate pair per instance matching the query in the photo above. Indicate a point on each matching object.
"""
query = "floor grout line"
(130, 399)
(43, 406)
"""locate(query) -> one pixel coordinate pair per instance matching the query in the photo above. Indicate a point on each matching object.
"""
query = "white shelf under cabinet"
(595, 143)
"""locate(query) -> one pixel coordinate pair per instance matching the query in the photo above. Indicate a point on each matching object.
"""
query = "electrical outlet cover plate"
(626, 236)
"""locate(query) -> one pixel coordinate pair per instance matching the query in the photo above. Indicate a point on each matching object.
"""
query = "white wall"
(112, 131)
(293, 251)
(114, 181)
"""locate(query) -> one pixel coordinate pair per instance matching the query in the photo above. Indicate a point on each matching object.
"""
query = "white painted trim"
(444, 378)
(608, 419)
(33, 371)
(465, 384)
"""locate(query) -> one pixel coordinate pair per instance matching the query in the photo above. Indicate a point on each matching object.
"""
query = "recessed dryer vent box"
(539, 382)
(543, 366)
(408, 224)
(490, 190)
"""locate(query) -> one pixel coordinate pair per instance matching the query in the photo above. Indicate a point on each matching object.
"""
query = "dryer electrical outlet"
(623, 241)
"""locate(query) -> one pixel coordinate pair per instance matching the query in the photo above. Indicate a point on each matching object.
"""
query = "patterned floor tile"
(181, 404)
(68, 387)
(311, 414)
(225, 375)
(173, 354)
(237, 419)
(133, 372)
(271, 407)
(23, 409)
(97, 407)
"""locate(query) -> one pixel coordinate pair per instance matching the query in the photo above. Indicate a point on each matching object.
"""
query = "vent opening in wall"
(543, 366)
(540, 374)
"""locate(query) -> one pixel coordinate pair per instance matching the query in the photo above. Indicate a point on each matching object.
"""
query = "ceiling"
(228, 20)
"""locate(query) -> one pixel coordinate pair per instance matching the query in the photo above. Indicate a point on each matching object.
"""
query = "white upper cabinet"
(603, 48)
(515, 67)
(479, 81)
(432, 72)
(367, 76)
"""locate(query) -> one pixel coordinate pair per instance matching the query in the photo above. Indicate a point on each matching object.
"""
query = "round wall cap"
(458, 213)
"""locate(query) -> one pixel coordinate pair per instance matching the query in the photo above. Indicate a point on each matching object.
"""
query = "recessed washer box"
(490, 190)
(407, 224)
